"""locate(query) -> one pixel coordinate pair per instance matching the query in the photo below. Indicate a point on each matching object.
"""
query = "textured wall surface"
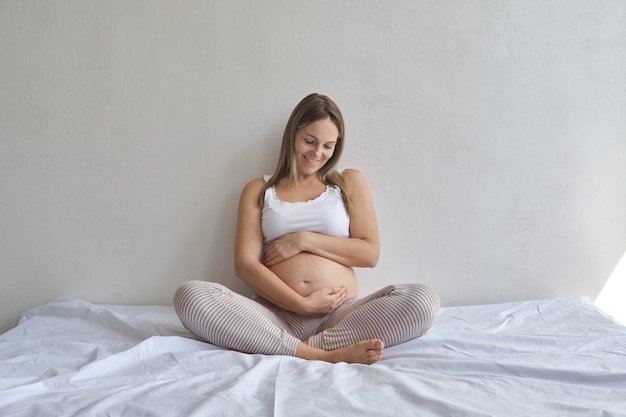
(493, 134)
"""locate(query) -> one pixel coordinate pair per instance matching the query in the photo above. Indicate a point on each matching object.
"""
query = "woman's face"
(315, 144)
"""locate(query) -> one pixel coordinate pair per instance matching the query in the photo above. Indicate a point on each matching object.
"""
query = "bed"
(557, 357)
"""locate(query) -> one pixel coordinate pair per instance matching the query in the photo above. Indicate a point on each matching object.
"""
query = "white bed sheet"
(560, 357)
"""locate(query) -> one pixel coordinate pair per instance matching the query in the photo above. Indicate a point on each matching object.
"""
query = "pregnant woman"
(300, 234)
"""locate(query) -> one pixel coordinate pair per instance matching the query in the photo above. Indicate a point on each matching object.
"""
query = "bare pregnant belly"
(307, 272)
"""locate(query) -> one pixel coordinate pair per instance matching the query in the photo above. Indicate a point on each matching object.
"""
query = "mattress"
(557, 357)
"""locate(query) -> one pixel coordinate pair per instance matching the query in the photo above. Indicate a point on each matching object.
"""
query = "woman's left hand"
(284, 247)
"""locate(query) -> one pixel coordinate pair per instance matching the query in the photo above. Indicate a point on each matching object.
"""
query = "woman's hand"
(284, 247)
(323, 301)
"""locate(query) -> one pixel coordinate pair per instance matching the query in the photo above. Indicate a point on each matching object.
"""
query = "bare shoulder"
(253, 186)
(251, 190)
(355, 179)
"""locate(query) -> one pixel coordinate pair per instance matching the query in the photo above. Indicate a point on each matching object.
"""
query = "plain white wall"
(493, 134)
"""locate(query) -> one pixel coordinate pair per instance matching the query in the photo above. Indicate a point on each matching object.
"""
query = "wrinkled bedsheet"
(560, 357)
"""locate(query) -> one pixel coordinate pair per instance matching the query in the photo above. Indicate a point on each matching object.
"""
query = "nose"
(316, 150)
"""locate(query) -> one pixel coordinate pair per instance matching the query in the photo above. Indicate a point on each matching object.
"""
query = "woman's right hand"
(324, 300)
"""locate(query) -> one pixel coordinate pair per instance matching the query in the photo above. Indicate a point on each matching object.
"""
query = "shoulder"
(253, 188)
(354, 178)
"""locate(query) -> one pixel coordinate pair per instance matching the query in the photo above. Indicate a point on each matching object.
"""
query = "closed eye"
(311, 140)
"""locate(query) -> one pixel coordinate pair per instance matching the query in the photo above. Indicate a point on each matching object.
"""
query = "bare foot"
(366, 352)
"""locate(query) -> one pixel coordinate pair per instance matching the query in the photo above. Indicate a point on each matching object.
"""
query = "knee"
(431, 296)
(191, 291)
(423, 298)
(183, 291)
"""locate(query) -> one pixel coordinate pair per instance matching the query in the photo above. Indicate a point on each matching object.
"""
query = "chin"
(311, 169)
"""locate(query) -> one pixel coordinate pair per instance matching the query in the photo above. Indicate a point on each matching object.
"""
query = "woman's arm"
(361, 249)
(248, 266)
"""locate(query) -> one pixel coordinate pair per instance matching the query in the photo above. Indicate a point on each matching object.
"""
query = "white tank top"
(325, 214)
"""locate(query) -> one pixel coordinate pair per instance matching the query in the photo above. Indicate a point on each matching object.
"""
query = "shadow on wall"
(258, 160)
(611, 298)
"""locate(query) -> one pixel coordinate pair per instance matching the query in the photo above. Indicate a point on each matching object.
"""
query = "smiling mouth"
(311, 160)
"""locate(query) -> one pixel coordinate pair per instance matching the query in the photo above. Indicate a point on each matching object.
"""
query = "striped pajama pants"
(217, 315)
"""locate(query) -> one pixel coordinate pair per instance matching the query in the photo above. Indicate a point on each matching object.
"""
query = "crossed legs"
(356, 332)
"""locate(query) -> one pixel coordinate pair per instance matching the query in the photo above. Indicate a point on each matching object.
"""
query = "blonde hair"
(311, 109)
